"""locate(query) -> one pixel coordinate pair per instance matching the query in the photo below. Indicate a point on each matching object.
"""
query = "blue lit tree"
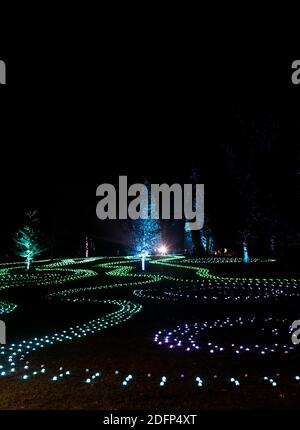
(146, 233)
(207, 237)
(188, 238)
(191, 239)
(202, 241)
(249, 228)
(245, 235)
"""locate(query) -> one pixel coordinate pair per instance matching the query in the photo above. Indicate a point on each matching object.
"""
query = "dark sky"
(71, 120)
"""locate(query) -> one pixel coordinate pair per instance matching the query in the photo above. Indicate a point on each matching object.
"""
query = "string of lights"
(225, 291)
(268, 333)
(44, 277)
(7, 307)
(10, 353)
(126, 379)
(200, 336)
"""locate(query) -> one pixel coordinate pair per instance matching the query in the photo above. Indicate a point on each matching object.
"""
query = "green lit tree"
(28, 244)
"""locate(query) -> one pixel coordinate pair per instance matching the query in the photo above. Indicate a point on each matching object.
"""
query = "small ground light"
(235, 382)
(199, 381)
(127, 379)
(163, 381)
(270, 380)
(92, 378)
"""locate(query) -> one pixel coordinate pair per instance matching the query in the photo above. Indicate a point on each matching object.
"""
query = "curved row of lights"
(58, 275)
(71, 261)
(91, 377)
(12, 352)
(122, 269)
(210, 291)
(205, 273)
(44, 277)
(201, 336)
(7, 307)
(229, 260)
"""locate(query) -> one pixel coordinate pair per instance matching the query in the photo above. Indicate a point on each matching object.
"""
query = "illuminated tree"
(200, 241)
(245, 235)
(28, 244)
(188, 238)
(146, 232)
(207, 237)
(189, 243)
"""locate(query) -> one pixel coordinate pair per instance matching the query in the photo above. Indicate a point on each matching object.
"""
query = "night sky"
(71, 120)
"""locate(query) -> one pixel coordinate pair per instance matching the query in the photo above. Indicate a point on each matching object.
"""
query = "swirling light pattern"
(208, 336)
(203, 286)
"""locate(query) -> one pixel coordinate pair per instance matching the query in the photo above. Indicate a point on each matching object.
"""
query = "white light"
(143, 255)
(162, 249)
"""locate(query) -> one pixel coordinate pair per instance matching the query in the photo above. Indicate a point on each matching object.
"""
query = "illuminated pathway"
(11, 353)
(207, 287)
(58, 275)
(203, 286)
(198, 336)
